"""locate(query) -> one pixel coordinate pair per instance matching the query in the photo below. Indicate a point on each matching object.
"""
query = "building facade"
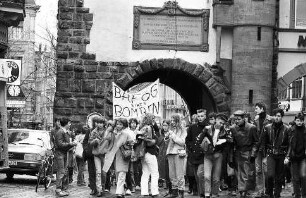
(292, 57)
(100, 42)
(45, 81)
(21, 46)
(12, 13)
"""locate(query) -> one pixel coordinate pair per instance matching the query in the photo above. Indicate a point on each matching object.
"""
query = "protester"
(195, 152)
(54, 131)
(275, 139)
(52, 141)
(120, 152)
(213, 141)
(261, 120)
(176, 153)
(133, 175)
(212, 118)
(97, 135)
(245, 141)
(62, 145)
(89, 157)
(192, 182)
(149, 161)
(162, 159)
(297, 156)
(71, 157)
(110, 175)
(194, 119)
(79, 138)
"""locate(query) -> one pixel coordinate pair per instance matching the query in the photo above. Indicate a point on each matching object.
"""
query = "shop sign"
(15, 103)
(10, 69)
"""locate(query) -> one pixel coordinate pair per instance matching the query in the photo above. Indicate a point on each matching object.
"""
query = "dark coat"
(195, 152)
(293, 143)
(245, 138)
(273, 143)
(87, 148)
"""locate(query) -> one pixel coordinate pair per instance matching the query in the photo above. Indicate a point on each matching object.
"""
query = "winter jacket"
(275, 139)
(245, 138)
(62, 142)
(195, 152)
(294, 154)
(177, 142)
(87, 153)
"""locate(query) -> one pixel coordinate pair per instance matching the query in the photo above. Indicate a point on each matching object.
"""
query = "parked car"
(26, 149)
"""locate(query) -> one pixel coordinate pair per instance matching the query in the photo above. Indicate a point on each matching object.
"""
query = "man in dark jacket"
(297, 156)
(245, 142)
(87, 154)
(275, 139)
(261, 120)
(195, 152)
(62, 145)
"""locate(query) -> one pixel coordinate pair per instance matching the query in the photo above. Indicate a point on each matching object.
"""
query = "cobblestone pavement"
(24, 187)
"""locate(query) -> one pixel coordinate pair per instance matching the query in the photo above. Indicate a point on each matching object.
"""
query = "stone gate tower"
(252, 23)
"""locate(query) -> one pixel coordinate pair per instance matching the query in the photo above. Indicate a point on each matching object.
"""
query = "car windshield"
(29, 138)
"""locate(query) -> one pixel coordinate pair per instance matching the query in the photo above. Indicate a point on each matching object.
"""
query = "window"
(300, 14)
(250, 96)
(283, 95)
(296, 88)
(258, 33)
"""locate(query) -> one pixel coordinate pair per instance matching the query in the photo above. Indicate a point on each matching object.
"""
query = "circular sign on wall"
(14, 71)
(90, 117)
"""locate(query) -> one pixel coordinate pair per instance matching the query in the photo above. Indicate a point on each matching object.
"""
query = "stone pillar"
(252, 53)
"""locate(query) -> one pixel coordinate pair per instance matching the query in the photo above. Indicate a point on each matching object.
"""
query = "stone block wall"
(84, 85)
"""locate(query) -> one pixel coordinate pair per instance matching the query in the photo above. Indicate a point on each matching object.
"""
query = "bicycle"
(45, 169)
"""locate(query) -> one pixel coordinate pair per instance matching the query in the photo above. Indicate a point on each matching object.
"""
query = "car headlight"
(32, 157)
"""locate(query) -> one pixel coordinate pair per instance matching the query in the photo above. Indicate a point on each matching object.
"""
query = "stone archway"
(297, 72)
(84, 85)
(196, 83)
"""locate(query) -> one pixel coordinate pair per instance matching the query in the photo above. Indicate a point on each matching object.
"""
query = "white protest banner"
(10, 69)
(135, 104)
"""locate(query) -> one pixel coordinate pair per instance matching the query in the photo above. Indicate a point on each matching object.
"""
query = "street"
(24, 186)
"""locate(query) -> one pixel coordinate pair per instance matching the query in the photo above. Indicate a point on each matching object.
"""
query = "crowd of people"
(247, 157)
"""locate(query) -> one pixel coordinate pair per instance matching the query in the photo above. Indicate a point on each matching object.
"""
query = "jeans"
(275, 174)
(199, 175)
(81, 166)
(212, 173)
(149, 167)
(299, 177)
(168, 181)
(62, 171)
(121, 176)
(100, 174)
(130, 177)
(259, 173)
(92, 173)
(244, 173)
(176, 171)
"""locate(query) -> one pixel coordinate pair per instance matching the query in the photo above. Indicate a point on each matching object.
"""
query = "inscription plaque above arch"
(170, 28)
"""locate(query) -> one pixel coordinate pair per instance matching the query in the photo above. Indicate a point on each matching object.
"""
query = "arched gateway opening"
(196, 84)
